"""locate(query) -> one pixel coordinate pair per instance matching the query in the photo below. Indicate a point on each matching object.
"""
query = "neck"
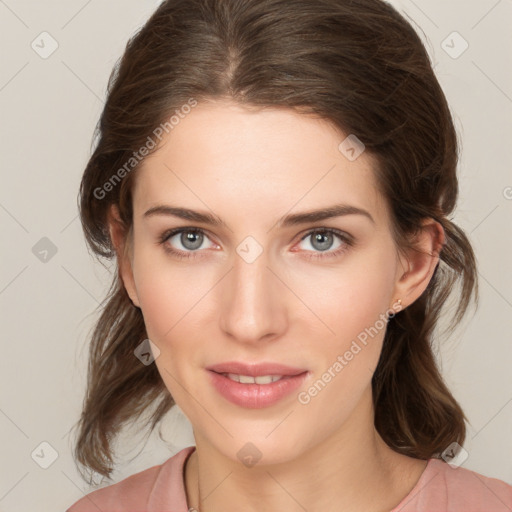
(352, 470)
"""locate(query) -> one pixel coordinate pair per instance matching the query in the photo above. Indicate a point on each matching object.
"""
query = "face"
(265, 283)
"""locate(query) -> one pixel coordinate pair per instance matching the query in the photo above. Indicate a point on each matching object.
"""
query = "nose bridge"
(252, 307)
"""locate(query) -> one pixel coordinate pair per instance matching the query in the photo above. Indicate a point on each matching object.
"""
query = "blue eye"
(326, 242)
(190, 240)
(185, 243)
(321, 240)
(184, 240)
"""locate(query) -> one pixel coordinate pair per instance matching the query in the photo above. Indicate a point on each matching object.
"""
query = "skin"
(250, 168)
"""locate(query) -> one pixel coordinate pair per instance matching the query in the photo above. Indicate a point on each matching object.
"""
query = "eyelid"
(324, 229)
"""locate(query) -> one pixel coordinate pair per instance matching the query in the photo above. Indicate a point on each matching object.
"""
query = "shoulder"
(132, 492)
(473, 490)
(136, 492)
(444, 487)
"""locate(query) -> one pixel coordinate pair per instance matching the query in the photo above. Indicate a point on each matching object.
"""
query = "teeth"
(247, 379)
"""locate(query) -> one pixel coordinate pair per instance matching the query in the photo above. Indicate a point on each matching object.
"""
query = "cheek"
(353, 302)
(349, 297)
(169, 298)
(167, 291)
(173, 298)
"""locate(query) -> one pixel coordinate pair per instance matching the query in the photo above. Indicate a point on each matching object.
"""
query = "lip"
(255, 369)
(255, 396)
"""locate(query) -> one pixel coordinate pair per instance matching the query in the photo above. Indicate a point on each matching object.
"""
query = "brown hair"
(358, 64)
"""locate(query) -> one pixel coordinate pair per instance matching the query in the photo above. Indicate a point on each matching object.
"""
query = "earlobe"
(119, 238)
(419, 262)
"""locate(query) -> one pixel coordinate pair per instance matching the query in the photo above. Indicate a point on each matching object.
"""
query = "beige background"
(49, 108)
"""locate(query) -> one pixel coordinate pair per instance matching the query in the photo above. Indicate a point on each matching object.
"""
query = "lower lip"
(255, 396)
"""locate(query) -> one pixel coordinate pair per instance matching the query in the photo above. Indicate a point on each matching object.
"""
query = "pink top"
(440, 488)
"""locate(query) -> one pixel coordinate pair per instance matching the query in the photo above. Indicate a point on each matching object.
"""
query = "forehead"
(223, 156)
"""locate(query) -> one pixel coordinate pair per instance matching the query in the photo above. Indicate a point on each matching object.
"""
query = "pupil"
(322, 241)
(191, 240)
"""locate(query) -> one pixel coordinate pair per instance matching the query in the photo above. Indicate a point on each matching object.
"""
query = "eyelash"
(346, 239)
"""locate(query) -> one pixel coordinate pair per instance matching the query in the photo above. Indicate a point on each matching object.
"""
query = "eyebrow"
(288, 220)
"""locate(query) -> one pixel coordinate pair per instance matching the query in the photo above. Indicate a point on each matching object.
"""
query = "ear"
(119, 237)
(418, 263)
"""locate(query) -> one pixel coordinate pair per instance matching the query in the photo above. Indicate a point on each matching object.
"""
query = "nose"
(252, 302)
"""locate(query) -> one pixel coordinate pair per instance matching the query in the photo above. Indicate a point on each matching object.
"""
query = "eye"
(320, 242)
(185, 240)
(329, 241)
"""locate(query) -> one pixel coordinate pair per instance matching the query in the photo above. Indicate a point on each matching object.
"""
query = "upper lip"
(255, 369)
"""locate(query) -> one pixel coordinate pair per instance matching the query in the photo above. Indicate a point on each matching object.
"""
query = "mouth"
(248, 379)
(255, 386)
(263, 369)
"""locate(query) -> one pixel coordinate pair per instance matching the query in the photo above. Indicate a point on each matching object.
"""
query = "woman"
(275, 179)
